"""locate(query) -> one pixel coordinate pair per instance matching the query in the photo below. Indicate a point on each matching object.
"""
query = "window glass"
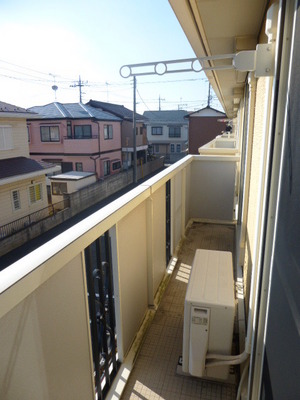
(59, 188)
(6, 139)
(178, 148)
(106, 165)
(172, 147)
(108, 131)
(35, 193)
(69, 129)
(82, 131)
(156, 130)
(16, 200)
(174, 131)
(49, 133)
(116, 165)
(79, 166)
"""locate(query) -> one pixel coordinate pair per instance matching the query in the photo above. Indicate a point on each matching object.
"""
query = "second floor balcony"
(72, 310)
(81, 144)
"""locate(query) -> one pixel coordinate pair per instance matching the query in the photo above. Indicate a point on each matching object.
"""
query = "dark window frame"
(106, 170)
(59, 188)
(175, 131)
(82, 131)
(80, 165)
(156, 130)
(108, 132)
(50, 138)
(69, 130)
(116, 165)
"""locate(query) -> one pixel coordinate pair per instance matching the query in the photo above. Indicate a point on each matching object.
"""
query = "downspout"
(99, 148)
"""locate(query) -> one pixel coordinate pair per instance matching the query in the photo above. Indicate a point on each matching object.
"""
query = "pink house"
(77, 137)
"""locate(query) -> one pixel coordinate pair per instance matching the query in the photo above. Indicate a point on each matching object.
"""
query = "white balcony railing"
(222, 145)
(46, 347)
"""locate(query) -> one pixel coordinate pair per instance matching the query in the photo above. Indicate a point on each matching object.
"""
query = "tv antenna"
(54, 86)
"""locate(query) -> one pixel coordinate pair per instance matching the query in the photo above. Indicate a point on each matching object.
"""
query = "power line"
(96, 82)
(19, 66)
(142, 99)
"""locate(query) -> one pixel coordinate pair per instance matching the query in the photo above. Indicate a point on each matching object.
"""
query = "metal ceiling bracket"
(265, 60)
(261, 60)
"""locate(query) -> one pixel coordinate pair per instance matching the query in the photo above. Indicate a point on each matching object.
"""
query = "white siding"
(7, 213)
(19, 138)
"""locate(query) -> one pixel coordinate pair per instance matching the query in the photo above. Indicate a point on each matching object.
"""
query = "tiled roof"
(116, 109)
(20, 166)
(171, 116)
(73, 111)
(10, 108)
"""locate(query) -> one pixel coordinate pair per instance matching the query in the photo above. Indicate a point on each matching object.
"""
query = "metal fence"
(22, 223)
(102, 313)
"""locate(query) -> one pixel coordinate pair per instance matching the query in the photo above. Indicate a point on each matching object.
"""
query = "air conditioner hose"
(238, 360)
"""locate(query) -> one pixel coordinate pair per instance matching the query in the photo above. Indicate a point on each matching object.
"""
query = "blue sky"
(53, 42)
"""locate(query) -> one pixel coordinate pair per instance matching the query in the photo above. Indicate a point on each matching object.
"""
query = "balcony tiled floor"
(154, 375)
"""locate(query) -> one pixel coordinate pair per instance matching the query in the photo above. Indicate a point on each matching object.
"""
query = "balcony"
(73, 313)
(156, 374)
(226, 144)
(87, 145)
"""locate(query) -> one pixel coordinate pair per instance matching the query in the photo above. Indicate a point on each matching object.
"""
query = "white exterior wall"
(8, 214)
(72, 186)
(164, 138)
(212, 194)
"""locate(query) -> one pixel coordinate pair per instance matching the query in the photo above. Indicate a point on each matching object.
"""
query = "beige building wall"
(8, 214)
(43, 350)
(20, 138)
(256, 154)
(132, 273)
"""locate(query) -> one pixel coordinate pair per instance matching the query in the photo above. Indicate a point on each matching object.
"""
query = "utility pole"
(159, 100)
(209, 97)
(106, 83)
(79, 84)
(134, 132)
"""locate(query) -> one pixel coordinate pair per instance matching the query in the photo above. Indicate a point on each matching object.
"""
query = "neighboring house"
(204, 126)
(126, 116)
(22, 180)
(69, 182)
(76, 137)
(167, 133)
(54, 304)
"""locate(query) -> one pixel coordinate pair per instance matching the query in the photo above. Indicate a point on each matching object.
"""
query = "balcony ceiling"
(222, 27)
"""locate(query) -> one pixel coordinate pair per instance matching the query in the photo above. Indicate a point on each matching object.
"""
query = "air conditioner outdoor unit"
(209, 311)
